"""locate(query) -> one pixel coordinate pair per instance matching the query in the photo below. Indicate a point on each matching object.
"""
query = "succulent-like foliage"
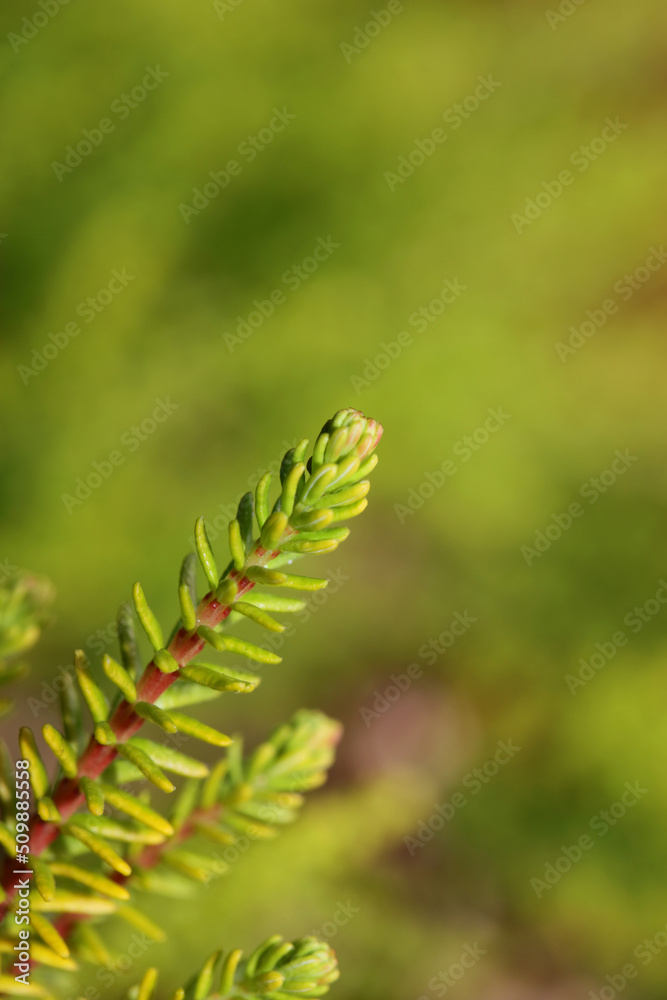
(24, 603)
(93, 837)
(277, 969)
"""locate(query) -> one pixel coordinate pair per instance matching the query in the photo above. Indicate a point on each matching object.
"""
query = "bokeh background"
(360, 100)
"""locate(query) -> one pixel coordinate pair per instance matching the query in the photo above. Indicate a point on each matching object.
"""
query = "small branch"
(125, 722)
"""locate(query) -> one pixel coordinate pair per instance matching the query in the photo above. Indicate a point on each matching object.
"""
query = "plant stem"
(125, 722)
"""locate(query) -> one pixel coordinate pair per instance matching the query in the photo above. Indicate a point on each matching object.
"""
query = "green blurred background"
(239, 402)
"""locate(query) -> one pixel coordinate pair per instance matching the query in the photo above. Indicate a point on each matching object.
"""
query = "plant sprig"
(277, 969)
(71, 821)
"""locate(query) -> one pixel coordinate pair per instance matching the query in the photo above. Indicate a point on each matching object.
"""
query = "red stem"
(125, 722)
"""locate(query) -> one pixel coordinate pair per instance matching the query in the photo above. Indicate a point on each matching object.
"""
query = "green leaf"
(227, 591)
(165, 662)
(255, 614)
(169, 759)
(290, 485)
(93, 880)
(349, 510)
(260, 574)
(132, 806)
(229, 967)
(61, 750)
(231, 673)
(188, 576)
(47, 810)
(303, 582)
(154, 714)
(310, 548)
(362, 472)
(147, 985)
(347, 495)
(199, 867)
(205, 553)
(193, 727)
(212, 784)
(105, 735)
(48, 933)
(93, 696)
(236, 546)
(183, 693)
(127, 640)
(113, 829)
(186, 801)
(312, 520)
(149, 622)
(216, 680)
(143, 762)
(232, 644)
(104, 851)
(72, 715)
(204, 982)
(119, 676)
(337, 533)
(70, 902)
(93, 794)
(262, 499)
(244, 515)
(215, 833)
(273, 530)
(7, 841)
(28, 750)
(254, 957)
(188, 611)
(318, 484)
(44, 880)
(273, 602)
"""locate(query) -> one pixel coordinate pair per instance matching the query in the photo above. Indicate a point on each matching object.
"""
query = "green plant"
(24, 602)
(87, 864)
(276, 969)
